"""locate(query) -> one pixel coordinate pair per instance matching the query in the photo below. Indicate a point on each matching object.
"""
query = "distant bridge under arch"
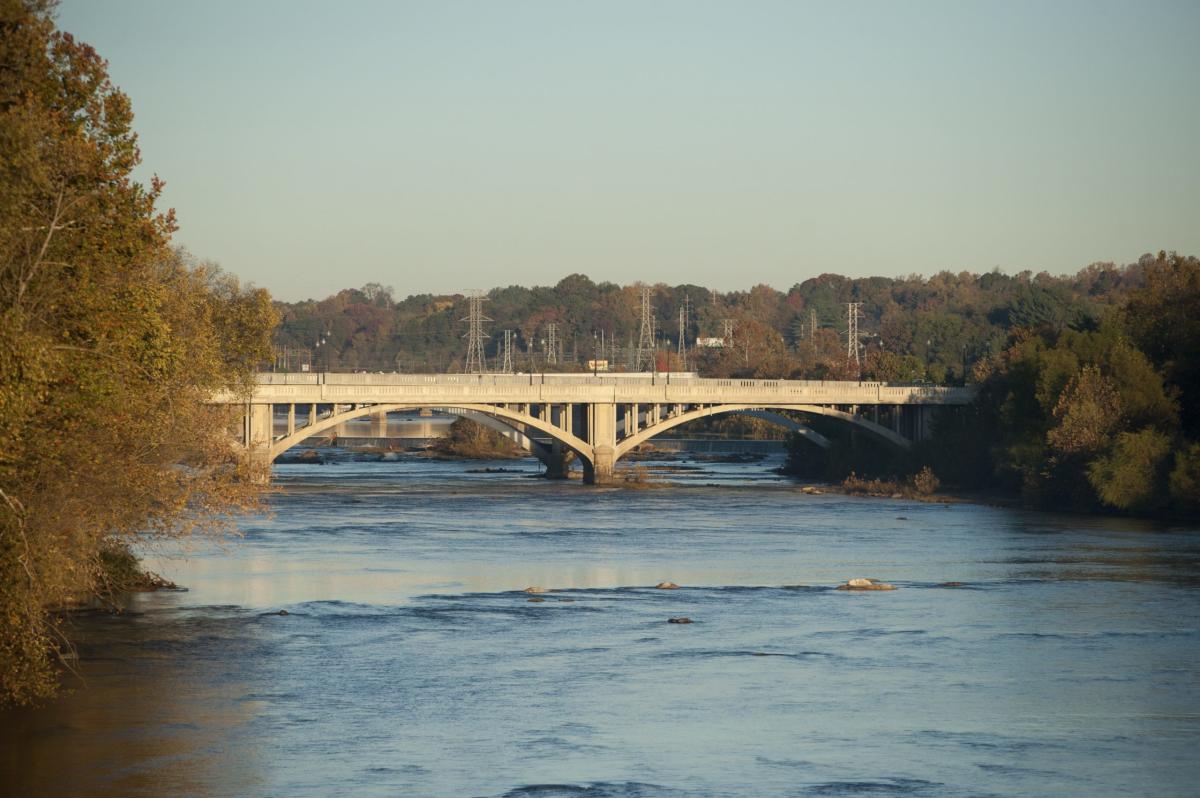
(599, 419)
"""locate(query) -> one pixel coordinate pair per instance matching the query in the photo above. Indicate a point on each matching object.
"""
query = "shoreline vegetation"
(469, 440)
(112, 341)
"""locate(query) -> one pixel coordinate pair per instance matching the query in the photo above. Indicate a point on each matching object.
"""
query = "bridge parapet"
(534, 388)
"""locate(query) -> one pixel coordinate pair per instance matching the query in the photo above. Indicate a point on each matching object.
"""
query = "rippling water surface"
(410, 663)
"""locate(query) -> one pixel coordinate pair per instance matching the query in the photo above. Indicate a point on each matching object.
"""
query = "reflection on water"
(410, 663)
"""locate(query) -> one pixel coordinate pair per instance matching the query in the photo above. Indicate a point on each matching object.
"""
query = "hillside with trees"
(911, 328)
(1103, 415)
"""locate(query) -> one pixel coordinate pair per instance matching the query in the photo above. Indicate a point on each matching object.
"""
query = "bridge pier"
(257, 434)
(600, 470)
(379, 425)
(556, 462)
(602, 435)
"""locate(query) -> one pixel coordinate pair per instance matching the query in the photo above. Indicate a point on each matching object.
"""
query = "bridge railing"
(640, 388)
(659, 378)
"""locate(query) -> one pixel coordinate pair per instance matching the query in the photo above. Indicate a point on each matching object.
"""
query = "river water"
(411, 664)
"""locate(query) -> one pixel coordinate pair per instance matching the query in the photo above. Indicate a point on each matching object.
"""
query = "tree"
(1164, 320)
(111, 344)
(1131, 476)
(1087, 412)
(1185, 479)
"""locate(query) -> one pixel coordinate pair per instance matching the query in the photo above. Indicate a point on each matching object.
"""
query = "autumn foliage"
(110, 345)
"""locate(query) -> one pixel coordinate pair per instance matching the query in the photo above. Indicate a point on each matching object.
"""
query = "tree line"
(910, 328)
(1095, 410)
(1098, 413)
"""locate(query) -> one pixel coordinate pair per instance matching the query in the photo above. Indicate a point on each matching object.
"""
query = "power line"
(852, 343)
(645, 350)
(507, 368)
(683, 322)
(476, 362)
(551, 343)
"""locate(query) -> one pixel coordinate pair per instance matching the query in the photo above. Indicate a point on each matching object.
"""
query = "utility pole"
(476, 362)
(852, 344)
(812, 325)
(645, 350)
(551, 344)
(507, 368)
(683, 321)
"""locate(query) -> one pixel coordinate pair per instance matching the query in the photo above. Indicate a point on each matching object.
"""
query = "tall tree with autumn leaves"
(110, 344)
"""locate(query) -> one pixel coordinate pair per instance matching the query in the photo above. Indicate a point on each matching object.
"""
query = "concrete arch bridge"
(596, 419)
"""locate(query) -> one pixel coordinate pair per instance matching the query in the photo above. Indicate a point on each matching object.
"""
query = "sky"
(441, 146)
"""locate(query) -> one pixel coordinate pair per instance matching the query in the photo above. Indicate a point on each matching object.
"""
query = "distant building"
(597, 365)
(711, 343)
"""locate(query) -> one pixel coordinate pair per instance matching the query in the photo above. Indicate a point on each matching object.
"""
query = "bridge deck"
(305, 388)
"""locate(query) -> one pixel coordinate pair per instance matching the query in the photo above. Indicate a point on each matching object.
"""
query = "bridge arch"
(489, 415)
(631, 442)
(788, 423)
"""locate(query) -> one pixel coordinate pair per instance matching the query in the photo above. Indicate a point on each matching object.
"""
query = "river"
(410, 663)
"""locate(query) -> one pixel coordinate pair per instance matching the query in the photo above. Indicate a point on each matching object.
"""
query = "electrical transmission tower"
(645, 350)
(507, 368)
(852, 344)
(812, 325)
(476, 362)
(727, 335)
(683, 322)
(552, 343)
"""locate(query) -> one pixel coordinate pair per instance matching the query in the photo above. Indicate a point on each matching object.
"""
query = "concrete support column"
(569, 418)
(556, 463)
(258, 434)
(603, 434)
(312, 414)
(291, 419)
(340, 429)
(379, 425)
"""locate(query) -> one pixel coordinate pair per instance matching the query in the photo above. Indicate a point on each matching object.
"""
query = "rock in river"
(679, 620)
(667, 586)
(866, 584)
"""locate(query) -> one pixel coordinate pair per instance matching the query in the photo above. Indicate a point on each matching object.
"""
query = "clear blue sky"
(436, 146)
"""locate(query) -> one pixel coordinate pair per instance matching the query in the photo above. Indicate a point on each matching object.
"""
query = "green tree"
(1131, 476)
(1164, 320)
(1184, 481)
